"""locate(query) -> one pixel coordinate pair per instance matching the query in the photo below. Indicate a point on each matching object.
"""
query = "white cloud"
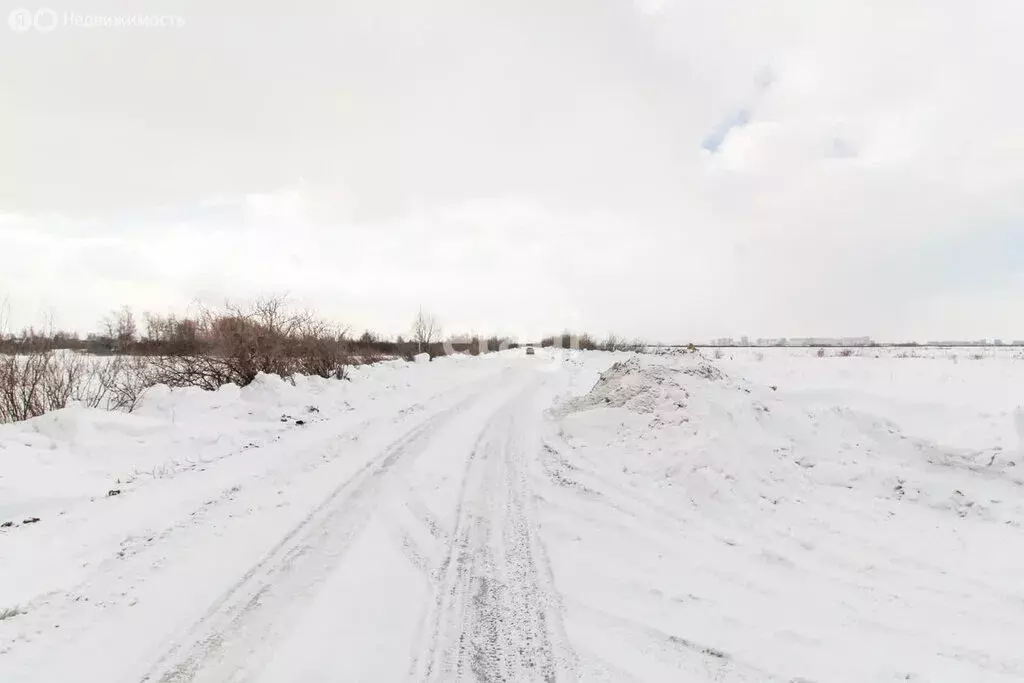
(369, 157)
(651, 6)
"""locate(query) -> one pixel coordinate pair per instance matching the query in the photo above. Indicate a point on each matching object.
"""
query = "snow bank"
(704, 420)
(941, 395)
(77, 454)
(795, 536)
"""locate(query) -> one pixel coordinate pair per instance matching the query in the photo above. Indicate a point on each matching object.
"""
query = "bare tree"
(121, 328)
(5, 314)
(425, 330)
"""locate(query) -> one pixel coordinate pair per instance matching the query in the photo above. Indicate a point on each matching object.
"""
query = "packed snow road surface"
(558, 517)
(487, 611)
(403, 544)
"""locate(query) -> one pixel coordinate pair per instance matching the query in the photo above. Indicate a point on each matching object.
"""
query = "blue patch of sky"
(737, 119)
(763, 81)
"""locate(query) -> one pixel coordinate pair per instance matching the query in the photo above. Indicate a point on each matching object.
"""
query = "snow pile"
(695, 512)
(693, 425)
(645, 387)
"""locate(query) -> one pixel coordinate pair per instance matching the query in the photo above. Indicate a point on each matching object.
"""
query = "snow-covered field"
(766, 516)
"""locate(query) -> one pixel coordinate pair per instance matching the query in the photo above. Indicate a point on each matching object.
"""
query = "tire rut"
(496, 615)
(232, 634)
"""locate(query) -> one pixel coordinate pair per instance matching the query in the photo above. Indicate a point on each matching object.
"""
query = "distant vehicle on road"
(530, 351)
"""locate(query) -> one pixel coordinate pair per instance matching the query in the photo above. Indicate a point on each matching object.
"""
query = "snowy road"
(488, 615)
(423, 562)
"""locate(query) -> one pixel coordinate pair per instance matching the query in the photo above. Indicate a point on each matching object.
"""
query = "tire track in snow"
(237, 626)
(496, 615)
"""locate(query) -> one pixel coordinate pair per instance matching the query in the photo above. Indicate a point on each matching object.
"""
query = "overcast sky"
(672, 169)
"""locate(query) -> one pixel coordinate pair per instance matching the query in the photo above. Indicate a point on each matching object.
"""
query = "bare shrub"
(38, 379)
(171, 335)
(65, 377)
(232, 345)
(498, 343)
(204, 371)
(10, 613)
(821, 352)
(405, 349)
(236, 344)
(571, 340)
(369, 338)
(846, 353)
(718, 353)
(22, 394)
(321, 351)
(615, 343)
(42, 380)
(370, 347)
(121, 382)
